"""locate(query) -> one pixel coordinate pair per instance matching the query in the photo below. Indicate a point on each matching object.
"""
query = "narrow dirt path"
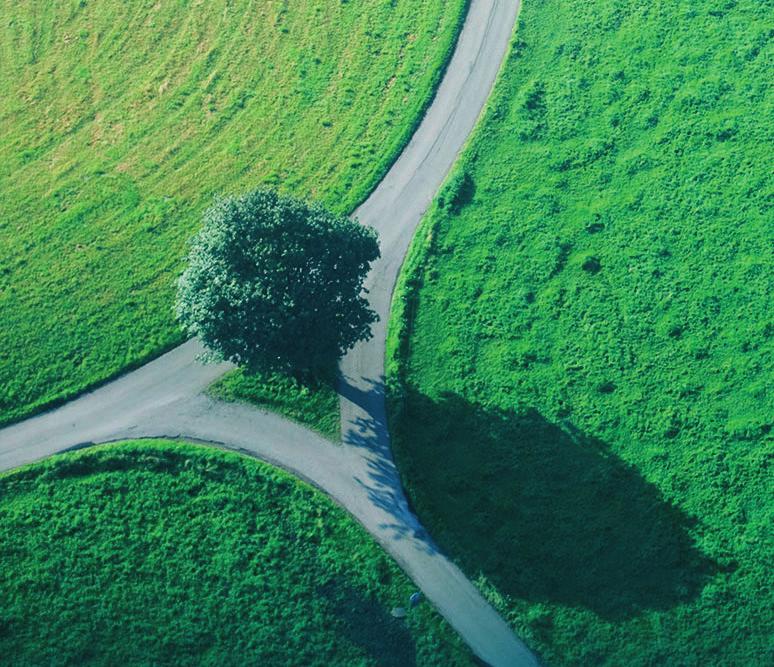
(164, 397)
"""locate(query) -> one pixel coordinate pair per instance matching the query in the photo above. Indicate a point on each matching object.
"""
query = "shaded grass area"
(315, 405)
(166, 553)
(582, 368)
(546, 502)
(120, 121)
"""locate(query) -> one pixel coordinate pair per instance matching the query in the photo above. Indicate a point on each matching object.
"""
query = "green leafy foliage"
(160, 553)
(583, 366)
(314, 403)
(275, 284)
(119, 123)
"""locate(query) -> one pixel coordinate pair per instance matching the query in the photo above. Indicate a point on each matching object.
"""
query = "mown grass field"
(581, 367)
(167, 553)
(119, 122)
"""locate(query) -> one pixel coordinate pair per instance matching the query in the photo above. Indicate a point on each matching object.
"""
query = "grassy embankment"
(120, 121)
(582, 372)
(315, 406)
(162, 553)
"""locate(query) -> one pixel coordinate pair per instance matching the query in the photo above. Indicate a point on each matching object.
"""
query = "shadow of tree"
(545, 512)
(383, 484)
(365, 622)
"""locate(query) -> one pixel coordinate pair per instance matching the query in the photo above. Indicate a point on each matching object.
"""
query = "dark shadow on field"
(545, 512)
(366, 623)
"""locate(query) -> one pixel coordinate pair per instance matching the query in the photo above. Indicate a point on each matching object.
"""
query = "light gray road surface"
(164, 397)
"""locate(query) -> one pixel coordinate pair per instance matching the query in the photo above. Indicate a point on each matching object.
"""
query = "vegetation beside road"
(316, 405)
(582, 364)
(120, 121)
(168, 553)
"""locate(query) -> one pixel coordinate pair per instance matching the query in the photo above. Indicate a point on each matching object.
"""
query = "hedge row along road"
(164, 398)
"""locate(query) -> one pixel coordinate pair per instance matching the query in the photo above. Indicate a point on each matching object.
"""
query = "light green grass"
(316, 406)
(119, 122)
(162, 553)
(582, 369)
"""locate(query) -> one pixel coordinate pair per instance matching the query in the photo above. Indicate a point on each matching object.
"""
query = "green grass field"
(119, 122)
(582, 365)
(316, 406)
(165, 553)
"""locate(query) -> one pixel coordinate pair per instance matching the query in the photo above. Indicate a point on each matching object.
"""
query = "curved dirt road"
(164, 397)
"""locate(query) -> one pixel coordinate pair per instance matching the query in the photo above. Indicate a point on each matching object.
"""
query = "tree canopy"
(276, 283)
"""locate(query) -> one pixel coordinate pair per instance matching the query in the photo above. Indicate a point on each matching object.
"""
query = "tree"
(276, 284)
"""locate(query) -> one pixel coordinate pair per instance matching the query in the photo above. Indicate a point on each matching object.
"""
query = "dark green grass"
(119, 122)
(161, 553)
(315, 405)
(582, 368)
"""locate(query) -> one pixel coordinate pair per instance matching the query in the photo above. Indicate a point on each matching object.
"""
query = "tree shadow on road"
(545, 512)
(383, 485)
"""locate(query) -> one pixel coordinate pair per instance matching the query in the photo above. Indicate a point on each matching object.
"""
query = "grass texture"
(582, 372)
(316, 406)
(120, 121)
(167, 553)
